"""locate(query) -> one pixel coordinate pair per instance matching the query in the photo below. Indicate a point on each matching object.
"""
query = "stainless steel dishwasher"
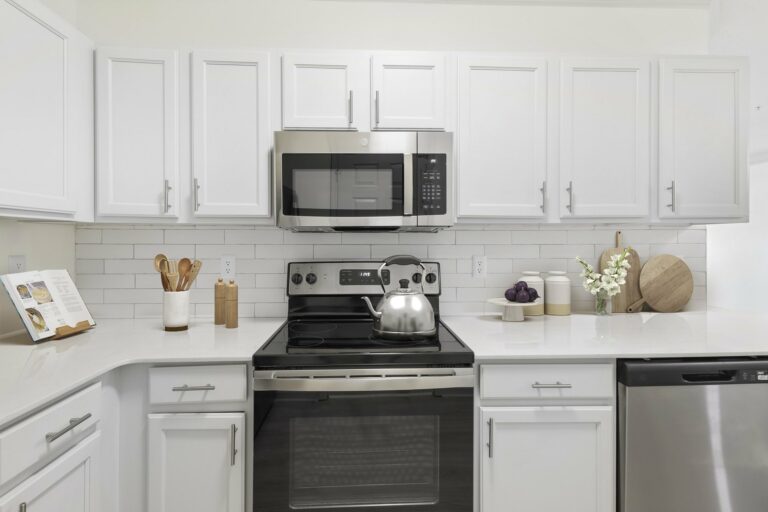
(693, 435)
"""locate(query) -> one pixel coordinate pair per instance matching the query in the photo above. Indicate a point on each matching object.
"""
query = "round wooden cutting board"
(666, 284)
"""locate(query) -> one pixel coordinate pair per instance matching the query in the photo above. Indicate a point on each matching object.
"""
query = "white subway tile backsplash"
(132, 236)
(116, 275)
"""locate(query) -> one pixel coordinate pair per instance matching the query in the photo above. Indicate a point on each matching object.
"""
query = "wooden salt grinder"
(218, 307)
(230, 304)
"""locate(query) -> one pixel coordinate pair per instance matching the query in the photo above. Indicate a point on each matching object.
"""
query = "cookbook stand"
(66, 331)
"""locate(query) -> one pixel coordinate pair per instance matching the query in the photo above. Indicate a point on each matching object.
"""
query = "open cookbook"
(48, 302)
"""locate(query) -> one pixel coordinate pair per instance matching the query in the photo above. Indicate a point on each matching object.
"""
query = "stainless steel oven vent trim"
(369, 379)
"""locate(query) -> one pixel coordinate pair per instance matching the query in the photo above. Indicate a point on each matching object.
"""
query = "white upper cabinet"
(703, 124)
(548, 459)
(136, 132)
(230, 133)
(325, 91)
(502, 137)
(196, 462)
(408, 92)
(46, 114)
(605, 133)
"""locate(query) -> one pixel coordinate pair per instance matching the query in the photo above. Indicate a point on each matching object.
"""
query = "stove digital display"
(353, 277)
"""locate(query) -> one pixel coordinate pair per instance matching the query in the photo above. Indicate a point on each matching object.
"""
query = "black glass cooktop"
(306, 343)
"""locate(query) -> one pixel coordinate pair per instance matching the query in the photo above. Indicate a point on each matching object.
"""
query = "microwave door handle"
(407, 184)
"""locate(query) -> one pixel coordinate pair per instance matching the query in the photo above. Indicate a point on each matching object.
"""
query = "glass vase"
(602, 304)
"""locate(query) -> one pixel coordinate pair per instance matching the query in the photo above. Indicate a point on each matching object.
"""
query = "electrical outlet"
(479, 266)
(17, 263)
(228, 267)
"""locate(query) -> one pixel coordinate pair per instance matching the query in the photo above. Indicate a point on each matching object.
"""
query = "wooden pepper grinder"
(219, 288)
(230, 304)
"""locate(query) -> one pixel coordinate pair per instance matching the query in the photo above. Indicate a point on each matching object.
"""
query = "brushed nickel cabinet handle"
(556, 385)
(168, 189)
(207, 387)
(490, 438)
(673, 191)
(543, 190)
(233, 433)
(74, 422)
(377, 108)
(196, 191)
(23, 507)
(570, 197)
(351, 107)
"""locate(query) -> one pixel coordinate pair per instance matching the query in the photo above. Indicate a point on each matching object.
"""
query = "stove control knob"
(416, 278)
(431, 277)
(296, 278)
(311, 278)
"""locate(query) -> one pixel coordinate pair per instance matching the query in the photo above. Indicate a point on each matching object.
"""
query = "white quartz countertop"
(691, 334)
(32, 376)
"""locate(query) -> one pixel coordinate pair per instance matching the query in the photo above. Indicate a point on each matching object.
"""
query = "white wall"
(406, 25)
(46, 246)
(737, 255)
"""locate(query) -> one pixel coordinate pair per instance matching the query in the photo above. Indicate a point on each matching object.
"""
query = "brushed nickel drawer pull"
(556, 385)
(490, 438)
(74, 422)
(207, 387)
(233, 432)
(23, 507)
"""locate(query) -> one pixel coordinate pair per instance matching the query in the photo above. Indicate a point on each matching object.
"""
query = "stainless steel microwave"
(355, 181)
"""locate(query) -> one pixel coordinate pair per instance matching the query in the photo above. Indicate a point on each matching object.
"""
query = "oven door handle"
(404, 379)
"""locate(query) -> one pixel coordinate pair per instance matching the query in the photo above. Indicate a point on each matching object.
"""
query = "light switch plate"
(17, 263)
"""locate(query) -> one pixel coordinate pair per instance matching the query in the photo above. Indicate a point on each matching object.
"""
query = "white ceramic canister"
(176, 311)
(534, 280)
(558, 290)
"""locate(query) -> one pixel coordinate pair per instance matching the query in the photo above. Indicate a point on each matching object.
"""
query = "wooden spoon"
(185, 265)
(161, 261)
(196, 266)
(158, 260)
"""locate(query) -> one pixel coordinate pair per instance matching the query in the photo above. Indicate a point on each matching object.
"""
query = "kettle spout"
(374, 313)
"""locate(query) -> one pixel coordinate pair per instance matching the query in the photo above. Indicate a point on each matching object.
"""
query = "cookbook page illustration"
(46, 300)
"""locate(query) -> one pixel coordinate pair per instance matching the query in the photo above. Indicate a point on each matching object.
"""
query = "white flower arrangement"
(610, 281)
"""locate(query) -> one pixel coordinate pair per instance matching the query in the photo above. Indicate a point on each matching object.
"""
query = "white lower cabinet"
(547, 459)
(68, 484)
(196, 462)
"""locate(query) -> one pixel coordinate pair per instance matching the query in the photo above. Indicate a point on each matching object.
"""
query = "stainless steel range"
(346, 419)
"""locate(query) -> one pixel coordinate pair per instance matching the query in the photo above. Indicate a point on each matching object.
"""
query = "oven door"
(398, 440)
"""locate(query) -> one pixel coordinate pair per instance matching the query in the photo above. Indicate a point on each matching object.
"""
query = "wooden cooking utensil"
(630, 292)
(165, 275)
(185, 265)
(666, 284)
(192, 275)
(160, 261)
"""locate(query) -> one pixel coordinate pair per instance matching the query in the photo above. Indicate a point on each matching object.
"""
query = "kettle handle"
(402, 259)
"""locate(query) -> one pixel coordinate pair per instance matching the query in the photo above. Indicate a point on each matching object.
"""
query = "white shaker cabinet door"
(546, 459)
(605, 123)
(408, 92)
(502, 137)
(68, 484)
(230, 133)
(703, 124)
(46, 138)
(196, 462)
(325, 91)
(137, 132)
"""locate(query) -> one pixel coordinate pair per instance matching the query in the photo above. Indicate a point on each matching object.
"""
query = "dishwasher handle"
(710, 377)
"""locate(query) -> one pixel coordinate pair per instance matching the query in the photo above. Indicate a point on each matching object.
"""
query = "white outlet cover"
(17, 263)
(479, 266)
(228, 269)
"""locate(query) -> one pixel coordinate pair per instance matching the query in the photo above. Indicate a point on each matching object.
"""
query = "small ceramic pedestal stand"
(512, 311)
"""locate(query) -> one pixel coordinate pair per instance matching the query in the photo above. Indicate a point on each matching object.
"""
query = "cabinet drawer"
(581, 381)
(197, 384)
(48, 432)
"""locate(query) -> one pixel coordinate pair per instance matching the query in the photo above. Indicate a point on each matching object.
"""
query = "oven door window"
(343, 185)
(404, 451)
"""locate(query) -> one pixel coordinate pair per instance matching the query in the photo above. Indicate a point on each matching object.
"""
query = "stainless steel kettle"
(402, 313)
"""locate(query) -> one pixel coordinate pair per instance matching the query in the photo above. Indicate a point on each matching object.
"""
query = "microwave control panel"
(431, 186)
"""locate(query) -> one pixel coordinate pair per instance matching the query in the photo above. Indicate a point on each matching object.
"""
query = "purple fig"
(533, 294)
(523, 297)
(511, 294)
(521, 285)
